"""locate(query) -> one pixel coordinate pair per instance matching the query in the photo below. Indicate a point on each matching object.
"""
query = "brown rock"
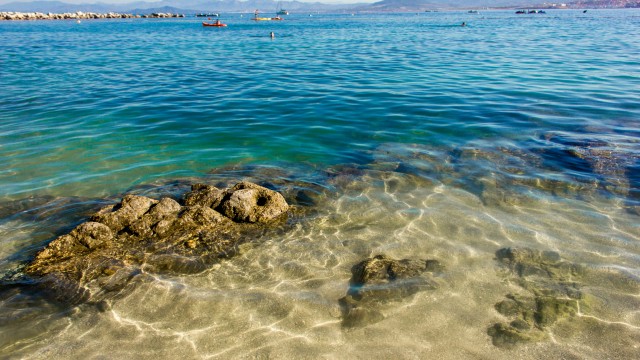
(382, 279)
(127, 212)
(120, 240)
(248, 202)
(204, 195)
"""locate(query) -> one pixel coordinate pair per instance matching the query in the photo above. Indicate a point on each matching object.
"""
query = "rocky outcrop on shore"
(79, 15)
(141, 234)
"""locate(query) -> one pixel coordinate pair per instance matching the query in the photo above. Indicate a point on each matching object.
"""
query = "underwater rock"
(381, 279)
(429, 162)
(590, 155)
(15, 207)
(555, 290)
(510, 335)
(539, 265)
(553, 294)
(633, 174)
(103, 254)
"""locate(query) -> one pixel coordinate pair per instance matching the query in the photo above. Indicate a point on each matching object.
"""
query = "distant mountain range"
(197, 6)
(187, 7)
(422, 5)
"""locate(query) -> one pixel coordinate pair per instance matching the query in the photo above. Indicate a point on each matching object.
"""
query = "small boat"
(281, 11)
(473, 12)
(208, 15)
(277, 18)
(215, 24)
(256, 18)
(521, 12)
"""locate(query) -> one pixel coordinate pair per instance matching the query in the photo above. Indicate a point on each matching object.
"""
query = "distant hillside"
(267, 6)
(184, 7)
(55, 7)
(401, 5)
(162, 10)
(605, 4)
(422, 5)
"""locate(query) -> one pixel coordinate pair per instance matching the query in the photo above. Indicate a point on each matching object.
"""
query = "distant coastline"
(191, 7)
(79, 15)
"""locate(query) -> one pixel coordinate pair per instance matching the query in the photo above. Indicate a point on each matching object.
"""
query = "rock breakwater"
(80, 15)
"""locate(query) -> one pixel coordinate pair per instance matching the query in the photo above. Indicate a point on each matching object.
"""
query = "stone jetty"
(80, 15)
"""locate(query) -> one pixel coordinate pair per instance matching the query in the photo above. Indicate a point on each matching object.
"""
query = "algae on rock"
(141, 234)
(553, 295)
(381, 279)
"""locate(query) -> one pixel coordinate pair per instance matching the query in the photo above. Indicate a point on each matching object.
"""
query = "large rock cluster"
(79, 15)
(139, 233)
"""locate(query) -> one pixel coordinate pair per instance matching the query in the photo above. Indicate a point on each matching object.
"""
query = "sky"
(151, 1)
(79, 1)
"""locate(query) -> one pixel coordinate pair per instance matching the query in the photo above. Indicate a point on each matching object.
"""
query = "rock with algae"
(381, 279)
(554, 294)
(609, 163)
(102, 255)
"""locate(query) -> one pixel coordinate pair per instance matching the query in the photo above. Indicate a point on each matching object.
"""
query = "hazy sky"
(78, 1)
(151, 1)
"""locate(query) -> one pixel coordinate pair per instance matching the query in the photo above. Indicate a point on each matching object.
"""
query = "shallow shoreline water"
(422, 141)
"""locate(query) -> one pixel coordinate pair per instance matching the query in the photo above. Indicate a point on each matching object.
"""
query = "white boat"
(281, 11)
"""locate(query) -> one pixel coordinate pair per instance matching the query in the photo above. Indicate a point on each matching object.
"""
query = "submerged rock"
(103, 254)
(597, 157)
(527, 262)
(554, 293)
(381, 279)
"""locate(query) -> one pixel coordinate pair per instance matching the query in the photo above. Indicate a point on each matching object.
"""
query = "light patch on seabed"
(279, 298)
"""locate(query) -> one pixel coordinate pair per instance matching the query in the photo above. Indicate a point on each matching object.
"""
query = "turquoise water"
(95, 107)
(511, 131)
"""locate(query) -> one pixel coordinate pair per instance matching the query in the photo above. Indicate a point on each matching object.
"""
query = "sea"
(407, 135)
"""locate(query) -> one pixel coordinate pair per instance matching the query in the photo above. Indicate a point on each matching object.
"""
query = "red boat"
(216, 24)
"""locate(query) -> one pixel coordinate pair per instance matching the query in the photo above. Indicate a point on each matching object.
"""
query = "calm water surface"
(427, 139)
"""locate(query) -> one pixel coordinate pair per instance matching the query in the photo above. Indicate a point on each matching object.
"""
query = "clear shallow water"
(511, 131)
(98, 106)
